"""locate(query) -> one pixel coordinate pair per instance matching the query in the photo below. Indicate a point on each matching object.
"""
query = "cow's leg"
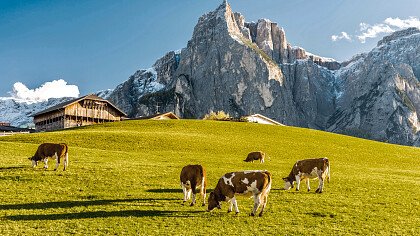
(46, 163)
(297, 182)
(321, 183)
(188, 194)
(264, 201)
(230, 205)
(57, 161)
(307, 184)
(185, 191)
(66, 161)
(194, 191)
(257, 202)
(235, 204)
(203, 190)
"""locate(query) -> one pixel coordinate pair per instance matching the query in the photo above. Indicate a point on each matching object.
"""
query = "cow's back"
(192, 173)
(49, 150)
(252, 156)
(307, 165)
(240, 182)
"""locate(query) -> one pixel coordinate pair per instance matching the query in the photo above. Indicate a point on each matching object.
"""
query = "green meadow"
(123, 179)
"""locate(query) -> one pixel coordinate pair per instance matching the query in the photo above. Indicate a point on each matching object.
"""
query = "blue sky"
(97, 45)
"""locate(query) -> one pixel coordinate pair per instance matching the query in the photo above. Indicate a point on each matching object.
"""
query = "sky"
(81, 47)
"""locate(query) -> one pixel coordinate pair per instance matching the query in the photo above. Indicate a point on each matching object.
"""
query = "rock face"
(380, 93)
(246, 67)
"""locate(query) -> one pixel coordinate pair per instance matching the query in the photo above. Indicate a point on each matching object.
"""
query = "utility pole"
(157, 107)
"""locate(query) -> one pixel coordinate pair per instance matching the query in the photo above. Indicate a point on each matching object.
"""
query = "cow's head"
(288, 183)
(34, 162)
(213, 202)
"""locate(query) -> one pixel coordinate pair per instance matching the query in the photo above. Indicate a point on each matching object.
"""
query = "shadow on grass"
(70, 204)
(13, 168)
(172, 190)
(321, 214)
(104, 214)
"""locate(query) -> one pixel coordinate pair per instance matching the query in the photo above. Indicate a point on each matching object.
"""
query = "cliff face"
(380, 93)
(244, 68)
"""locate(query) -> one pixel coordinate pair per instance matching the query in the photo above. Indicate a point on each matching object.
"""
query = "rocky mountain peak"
(399, 34)
(245, 67)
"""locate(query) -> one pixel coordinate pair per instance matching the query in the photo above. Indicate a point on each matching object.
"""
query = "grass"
(123, 178)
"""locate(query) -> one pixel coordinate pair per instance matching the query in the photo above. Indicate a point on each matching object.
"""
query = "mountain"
(380, 91)
(249, 67)
(19, 113)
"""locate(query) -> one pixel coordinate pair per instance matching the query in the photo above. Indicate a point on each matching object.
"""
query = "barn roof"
(68, 103)
(259, 116)
(157, 116)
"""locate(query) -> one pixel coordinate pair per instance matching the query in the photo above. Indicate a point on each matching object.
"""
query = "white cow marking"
(245, 181)
(228, 181)
(252, 188)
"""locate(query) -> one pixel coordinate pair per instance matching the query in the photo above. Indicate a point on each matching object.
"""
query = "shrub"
(220, 115)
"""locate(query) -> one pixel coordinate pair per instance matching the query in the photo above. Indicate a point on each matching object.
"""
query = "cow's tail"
(66, 151)
(329, 169)
(269, 181)
(203, 182)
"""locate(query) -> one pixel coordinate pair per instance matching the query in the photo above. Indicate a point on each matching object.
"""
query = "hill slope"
(123, 178)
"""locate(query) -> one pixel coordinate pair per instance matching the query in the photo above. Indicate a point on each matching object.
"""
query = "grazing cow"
(255, 156)
(53, 150)
(191, 177)
(255, 182)
(306, 170)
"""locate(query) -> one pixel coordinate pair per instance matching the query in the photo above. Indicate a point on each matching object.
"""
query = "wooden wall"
(85, 112)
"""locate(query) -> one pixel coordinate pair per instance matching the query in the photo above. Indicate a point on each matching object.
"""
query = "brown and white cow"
(306, 170)
(56, 151)
(255, 156)
(193, 176)
(254, 182)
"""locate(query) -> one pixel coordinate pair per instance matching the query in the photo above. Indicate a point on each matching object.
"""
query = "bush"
(220, 115)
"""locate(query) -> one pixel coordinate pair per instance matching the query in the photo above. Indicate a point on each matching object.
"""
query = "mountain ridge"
(250, 67)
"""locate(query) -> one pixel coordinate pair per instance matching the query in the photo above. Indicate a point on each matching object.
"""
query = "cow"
(306, 170)
(56, 151)
(255, 156)
(255, 182)
(193, 176)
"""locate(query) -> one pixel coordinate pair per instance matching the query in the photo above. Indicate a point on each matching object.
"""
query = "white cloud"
(53, 89)
(403, 24)
(341, 36)
(374, 31)
(389, 25)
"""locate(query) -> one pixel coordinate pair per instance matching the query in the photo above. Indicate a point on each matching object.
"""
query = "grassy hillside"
(123, 178)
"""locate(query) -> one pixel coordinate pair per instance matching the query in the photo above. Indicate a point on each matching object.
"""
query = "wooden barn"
(87, 110)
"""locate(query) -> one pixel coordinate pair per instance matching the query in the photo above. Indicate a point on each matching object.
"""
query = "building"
(2, 123)
(164, 116)
(258, 118)
(87, 110)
